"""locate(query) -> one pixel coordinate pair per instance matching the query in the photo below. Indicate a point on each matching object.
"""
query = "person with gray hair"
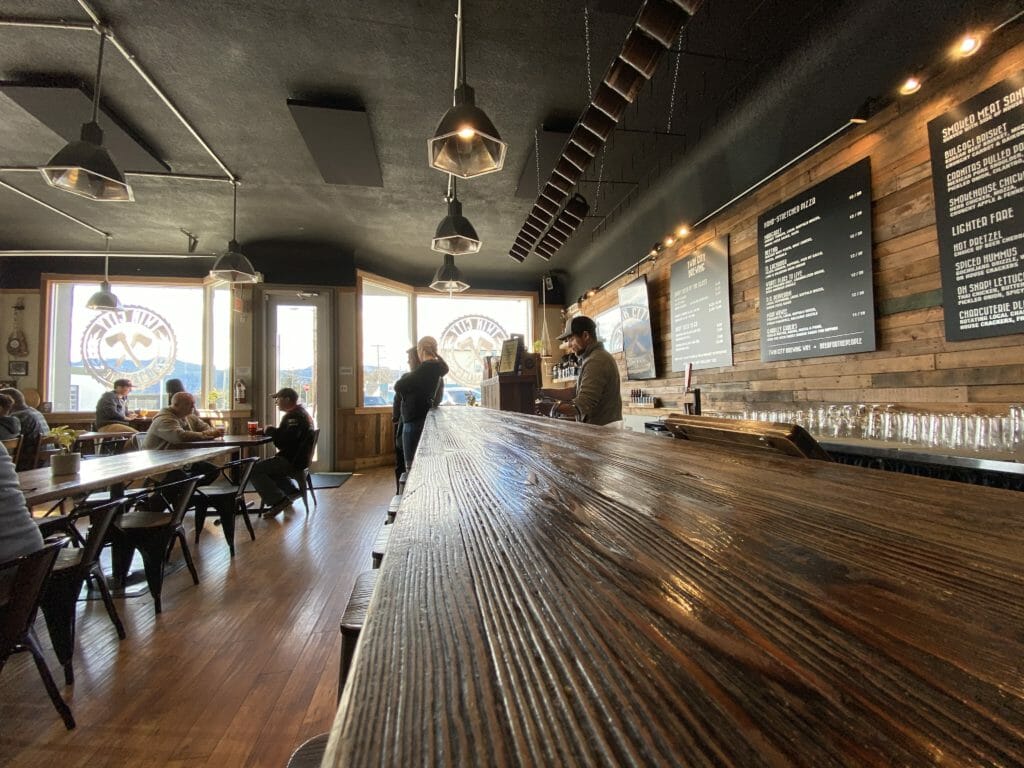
(33, 426)
(19, 534)
(10, 427)
(419, 390)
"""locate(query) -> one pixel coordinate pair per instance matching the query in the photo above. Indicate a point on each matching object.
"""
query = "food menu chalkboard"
(701, 323)
(814, 253)
(977, 154)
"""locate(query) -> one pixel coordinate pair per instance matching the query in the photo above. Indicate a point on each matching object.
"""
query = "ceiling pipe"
(114, 254)
(49, 207)
(654, 30)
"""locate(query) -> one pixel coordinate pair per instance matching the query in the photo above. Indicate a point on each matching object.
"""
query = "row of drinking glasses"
(979, 432)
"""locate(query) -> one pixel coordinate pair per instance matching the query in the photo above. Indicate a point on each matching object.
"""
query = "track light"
(682, 230)
(968, 45)
(84, 167)
(911, 85)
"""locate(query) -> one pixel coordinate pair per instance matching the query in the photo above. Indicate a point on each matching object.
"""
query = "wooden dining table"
(557, 593)
(114, 472)
(243, 442)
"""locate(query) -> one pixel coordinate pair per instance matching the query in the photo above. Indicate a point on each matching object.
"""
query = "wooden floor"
(235, 672)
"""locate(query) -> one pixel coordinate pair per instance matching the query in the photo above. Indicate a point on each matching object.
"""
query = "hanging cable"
(99, 79)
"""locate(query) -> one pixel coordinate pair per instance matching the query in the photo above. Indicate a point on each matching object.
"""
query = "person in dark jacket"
(419, 390)
(33, 427)
(292, 438)
(112, 414)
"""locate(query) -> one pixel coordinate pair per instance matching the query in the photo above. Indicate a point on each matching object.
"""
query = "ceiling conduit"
(545, 230)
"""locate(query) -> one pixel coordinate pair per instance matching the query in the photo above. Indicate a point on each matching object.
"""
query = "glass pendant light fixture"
(448, 279)
(232, 266)
(84, 167)
(455, 234)
(104, 300)
(466, 143)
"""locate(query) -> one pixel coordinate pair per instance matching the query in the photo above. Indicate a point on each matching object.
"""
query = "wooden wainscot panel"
(364, 438)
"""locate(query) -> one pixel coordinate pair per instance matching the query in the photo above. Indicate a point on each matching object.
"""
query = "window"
(163, 332)
(386, 316)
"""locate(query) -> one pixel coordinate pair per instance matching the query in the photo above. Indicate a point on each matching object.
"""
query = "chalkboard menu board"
(814, 252)
(977, 154)
(637, 339)
(701, 322)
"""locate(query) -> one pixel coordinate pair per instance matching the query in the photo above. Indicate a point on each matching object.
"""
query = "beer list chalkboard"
(814, 253)
(701, 324)
(977, 152)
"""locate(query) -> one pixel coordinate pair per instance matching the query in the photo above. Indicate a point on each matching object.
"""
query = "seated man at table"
(292, 437)
(112, 414)
(170, 428)
(10, 427)
(33, 426)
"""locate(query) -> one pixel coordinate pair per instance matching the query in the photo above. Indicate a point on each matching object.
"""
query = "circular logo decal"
(133, 343)
(466, 342)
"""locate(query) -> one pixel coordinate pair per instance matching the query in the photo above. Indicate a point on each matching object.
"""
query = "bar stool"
(396, 500)
(380, 546)
(401, 482)
(352, 622)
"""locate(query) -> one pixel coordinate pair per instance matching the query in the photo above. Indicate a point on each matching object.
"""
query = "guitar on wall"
(17, 344)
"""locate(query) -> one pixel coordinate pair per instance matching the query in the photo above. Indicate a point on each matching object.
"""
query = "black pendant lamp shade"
(85, 167)
(466, 143)
(232, 266)
(104, 300)
(448, 279)
(455, 234)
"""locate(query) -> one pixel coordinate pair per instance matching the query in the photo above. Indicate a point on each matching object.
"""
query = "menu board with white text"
(701, 321)
(814, 253)
(977, 151)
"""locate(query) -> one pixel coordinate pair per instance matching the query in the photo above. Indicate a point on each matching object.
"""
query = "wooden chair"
(43, 450)
(73, 568)
(788, 439)
(13, 446)
(21, 584)
(226, 499)
(304, 477)
(152, 526)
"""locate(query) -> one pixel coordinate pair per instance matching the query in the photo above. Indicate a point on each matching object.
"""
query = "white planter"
(65, 463)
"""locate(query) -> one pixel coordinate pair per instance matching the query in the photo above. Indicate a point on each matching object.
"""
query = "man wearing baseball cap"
(112, 414)
(292, 438)
(597, 398)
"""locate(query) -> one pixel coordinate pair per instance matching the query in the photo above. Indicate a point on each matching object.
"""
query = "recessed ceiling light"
(968, 45)
(911, 85)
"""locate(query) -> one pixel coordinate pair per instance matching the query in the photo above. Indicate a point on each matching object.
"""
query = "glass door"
(298, 355)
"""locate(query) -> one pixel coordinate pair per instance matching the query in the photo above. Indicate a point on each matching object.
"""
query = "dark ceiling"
(231, 66)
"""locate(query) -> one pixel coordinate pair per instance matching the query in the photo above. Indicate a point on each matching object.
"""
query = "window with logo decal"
(161, 332)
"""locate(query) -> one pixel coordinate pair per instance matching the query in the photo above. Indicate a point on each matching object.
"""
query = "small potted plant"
(213, 398)
(65, 462)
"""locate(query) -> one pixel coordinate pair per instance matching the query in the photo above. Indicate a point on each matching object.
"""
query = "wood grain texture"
(561, 594)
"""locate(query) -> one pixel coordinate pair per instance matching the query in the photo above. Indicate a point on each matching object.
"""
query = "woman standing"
(419, 390)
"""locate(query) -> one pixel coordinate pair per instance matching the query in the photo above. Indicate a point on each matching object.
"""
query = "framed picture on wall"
(17, 368)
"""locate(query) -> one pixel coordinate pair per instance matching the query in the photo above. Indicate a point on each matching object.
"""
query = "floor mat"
(330, 479)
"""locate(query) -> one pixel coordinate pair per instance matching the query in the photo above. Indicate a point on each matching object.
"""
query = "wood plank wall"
(913, 366)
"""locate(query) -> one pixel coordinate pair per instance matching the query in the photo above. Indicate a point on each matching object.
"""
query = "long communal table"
(561, 594)
(40, 485)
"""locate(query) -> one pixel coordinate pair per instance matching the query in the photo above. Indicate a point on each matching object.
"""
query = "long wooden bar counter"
(561, 594)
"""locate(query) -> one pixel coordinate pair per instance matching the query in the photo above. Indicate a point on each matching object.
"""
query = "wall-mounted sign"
(637, 339)
(814, 253)
(977, 152)
(609, 329)
(701, 322)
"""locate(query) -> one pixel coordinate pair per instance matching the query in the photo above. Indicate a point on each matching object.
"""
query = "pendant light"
(104, 300)
(466, 143)
(232, 266)
(84, 167)
(455, 234)
(448, 279)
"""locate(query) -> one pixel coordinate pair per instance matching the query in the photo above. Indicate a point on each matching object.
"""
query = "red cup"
(254, 427)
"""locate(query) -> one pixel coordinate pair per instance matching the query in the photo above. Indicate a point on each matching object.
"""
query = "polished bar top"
(561, 594)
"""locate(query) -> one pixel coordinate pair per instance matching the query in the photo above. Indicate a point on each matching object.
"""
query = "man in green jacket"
(597, 398)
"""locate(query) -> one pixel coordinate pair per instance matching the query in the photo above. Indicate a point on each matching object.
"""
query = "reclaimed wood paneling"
(364, 438)
(914, 365)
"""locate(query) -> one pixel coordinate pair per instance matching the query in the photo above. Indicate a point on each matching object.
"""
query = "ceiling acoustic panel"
(340, 141)
(63, 109)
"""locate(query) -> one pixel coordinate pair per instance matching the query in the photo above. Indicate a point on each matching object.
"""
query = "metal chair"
(72, 569)
(21, 584)
(152, 526)
(304, 477)
(226, 499)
